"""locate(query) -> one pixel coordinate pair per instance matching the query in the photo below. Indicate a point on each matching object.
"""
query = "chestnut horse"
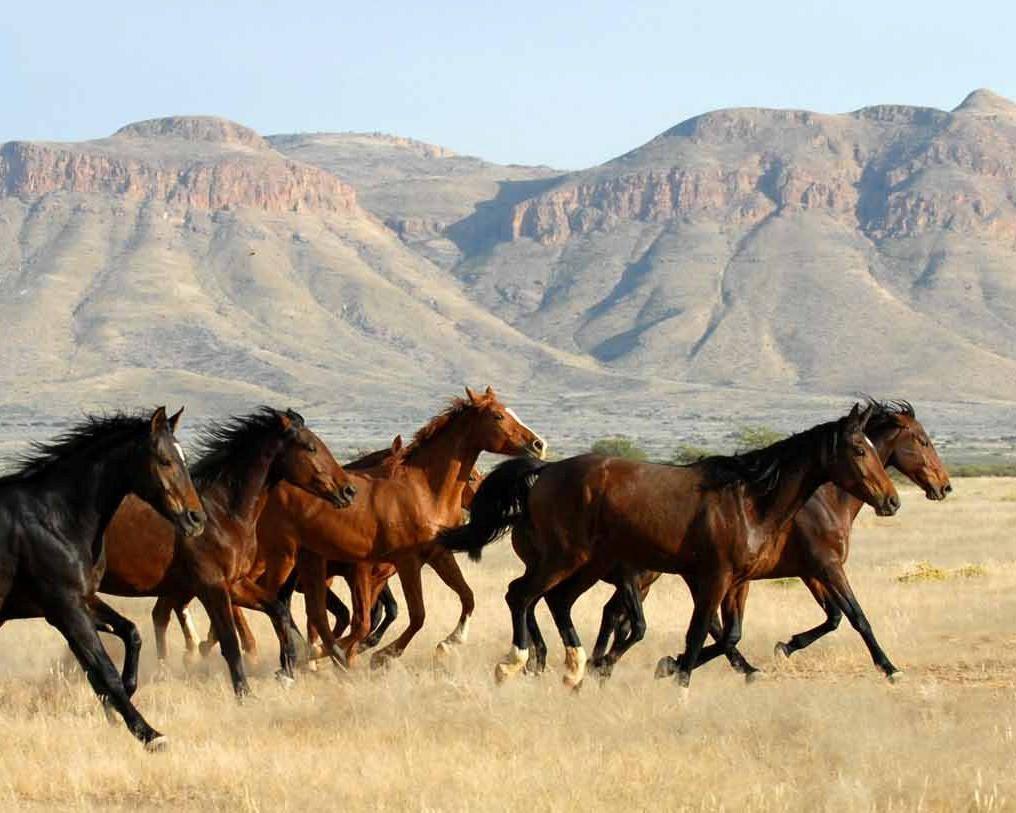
(53, 511)
(717, 520)
(395, 520)
(384, 609)
(815, 550)
(240, 462)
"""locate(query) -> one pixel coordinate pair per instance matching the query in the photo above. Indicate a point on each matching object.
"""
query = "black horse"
(53, 512)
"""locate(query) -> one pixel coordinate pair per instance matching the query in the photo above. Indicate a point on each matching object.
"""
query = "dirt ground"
(821, 731)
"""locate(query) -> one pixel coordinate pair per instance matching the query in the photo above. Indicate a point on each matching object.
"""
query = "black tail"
(500, 503)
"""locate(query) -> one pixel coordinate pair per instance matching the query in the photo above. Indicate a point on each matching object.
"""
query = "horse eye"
(311, 447)
(859, 451)
(498, 416)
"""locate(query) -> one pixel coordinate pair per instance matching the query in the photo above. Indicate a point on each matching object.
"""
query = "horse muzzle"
(889, 506)
(191, 523)
(343, 496)
(938, 493)
(537, 448)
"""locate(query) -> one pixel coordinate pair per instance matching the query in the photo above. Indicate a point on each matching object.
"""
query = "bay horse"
(240, 461)
(53, 511)
(815, 550)
(396, 520)
(716, 520)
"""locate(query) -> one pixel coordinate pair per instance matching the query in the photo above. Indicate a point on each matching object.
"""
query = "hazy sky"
(565, 83)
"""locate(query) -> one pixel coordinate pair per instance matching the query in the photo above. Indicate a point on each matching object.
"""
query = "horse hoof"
(284, 680)
(756, 676)
(444, 649)
(157, 744)
(190, 658)
(380, 660)
(205, 648)
(574, 666)
(316, 651)
(896, 678)
(666, 667)
(781, 651)
(683, 696)
(311, 666)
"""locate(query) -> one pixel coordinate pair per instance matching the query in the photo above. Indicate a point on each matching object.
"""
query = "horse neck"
(93, 493)
(247, 496)
(445, 461)
(799, 477)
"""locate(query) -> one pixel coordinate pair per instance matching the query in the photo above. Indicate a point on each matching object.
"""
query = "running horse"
(240, 462)
(815, 549)
(717, 521)
(53, 511)
(395, 520)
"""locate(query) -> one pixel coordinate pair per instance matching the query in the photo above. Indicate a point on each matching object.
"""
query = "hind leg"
(634, 615)
(537, 663)
(412, 587)
(448, 570)
(109, 620)
(389, 611)
(560, 601)
(161, 613)
(808, 637)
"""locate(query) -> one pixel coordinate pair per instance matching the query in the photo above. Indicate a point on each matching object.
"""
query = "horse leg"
(361, 591)
(389, 612)
(338, 608)
(220, 611)
(447, 568)
(245, 593)
(190, 633)
(808, 637)
(637, 619)
(707, 596)
(109, 620)
(409, 570)
(161, 613)
(839, 589)
(313, 575)
(69, 615)
(610, 625)
(560, 601)
(537, 663)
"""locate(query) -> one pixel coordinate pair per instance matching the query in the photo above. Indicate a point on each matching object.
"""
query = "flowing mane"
(887, 412)
(389, 458)
(227, 449)
(93, 435)
(440, 422)
(760, 469)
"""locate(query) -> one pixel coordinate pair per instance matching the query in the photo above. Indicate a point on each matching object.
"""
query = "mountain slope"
(187, 254)
(775, 248)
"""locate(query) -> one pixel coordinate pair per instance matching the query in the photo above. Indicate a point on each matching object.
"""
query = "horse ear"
(159, 420)
(397, 444)
(865, 416)
(286, 423)
(490, 391)
(295, 417)
(174, 420)
(471, 395)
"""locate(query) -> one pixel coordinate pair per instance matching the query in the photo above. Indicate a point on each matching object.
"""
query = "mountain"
(185, 257)
(419, 190)
(778, 249)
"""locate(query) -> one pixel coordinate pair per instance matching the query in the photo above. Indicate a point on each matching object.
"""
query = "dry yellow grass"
(822, 732)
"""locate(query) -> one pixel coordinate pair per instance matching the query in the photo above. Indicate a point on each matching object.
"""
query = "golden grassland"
(823, 731)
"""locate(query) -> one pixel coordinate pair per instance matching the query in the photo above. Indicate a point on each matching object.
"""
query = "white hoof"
(157, 745)
(513, 663)
(754, 677)
(665, 667)
(284, 680)
(896, 678)
(574, 666)
(781, 652)
(311, 666)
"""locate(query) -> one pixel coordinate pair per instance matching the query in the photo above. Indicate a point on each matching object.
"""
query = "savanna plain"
(821, 731)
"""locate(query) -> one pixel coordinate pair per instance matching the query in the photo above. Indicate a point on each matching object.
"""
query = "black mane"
(226, 449)
(886, 412)
(760, 469)
(94, 435)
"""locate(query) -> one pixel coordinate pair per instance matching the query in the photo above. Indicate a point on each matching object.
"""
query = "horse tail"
(499, 504)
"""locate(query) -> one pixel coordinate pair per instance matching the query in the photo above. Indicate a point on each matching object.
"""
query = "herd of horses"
(112, 508)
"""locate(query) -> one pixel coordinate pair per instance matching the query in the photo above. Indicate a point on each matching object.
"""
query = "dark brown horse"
(717, 520)
(240, 463)
(395, 520)
(53, 511)
(815, 550)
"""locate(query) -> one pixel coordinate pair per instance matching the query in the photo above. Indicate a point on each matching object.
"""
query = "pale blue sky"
(563, 83)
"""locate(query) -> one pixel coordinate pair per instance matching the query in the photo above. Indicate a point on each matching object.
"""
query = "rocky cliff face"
(890, 171)
(186, 163)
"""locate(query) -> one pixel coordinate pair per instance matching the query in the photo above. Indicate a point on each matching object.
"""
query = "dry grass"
(823, 732)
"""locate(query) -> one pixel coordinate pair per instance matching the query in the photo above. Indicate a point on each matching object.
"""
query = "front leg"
(839, 589)
(408, 569)
(447, 568)
(109, 620)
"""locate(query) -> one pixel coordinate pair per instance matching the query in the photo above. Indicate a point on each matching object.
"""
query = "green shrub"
(686, 453)
(619, 446)
(756, 437)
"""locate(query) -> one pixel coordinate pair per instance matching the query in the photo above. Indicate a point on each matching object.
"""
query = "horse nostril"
(348, 492)
(947, 489)
(195, 518)
(538, 445)
(894, 502)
